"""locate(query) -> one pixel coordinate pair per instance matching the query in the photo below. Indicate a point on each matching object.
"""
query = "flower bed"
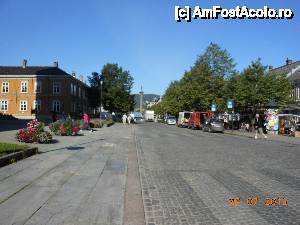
(34, 133)
(64, 128)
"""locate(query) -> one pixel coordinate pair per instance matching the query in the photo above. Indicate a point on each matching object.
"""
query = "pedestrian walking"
(124, 118)
(258, 125)
(129, 119)
(86, 122)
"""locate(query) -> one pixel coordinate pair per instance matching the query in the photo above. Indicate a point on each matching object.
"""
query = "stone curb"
(269, 139)
(16, 156)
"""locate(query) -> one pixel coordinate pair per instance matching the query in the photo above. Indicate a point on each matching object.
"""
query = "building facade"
(292, 71)
(29, 92)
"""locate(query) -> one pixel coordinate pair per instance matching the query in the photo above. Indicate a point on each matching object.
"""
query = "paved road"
(188, 177)
(80, 184)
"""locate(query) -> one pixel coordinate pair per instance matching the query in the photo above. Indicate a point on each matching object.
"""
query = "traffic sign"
(213, 107)
(229, 104)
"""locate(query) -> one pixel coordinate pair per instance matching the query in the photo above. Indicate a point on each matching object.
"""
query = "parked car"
(197, 119)
(213, 125)
(183, 119)
(171, 120)
(137, 117)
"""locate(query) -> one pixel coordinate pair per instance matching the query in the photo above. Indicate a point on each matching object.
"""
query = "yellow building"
(29, 92)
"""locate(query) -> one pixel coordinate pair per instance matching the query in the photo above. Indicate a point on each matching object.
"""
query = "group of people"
(126, 119)
(258, 123)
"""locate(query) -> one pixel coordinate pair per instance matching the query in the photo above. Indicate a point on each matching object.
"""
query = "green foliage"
(255, 87)
(7, 148)
(116, 89)
(202, 85)
(213, 79)
(65, 128)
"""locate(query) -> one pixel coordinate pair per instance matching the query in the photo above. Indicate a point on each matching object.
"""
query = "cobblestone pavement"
(77, 181)
(189, 177)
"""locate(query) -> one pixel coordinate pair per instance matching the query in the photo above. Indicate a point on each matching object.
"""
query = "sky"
(142, 36)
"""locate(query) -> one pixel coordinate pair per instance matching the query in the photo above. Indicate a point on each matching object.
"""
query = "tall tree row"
(214, 79)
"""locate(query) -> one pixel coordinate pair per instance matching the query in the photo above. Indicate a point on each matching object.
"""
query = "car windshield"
(187, 115)
(171, 117)
(215, 121)
(137, 114)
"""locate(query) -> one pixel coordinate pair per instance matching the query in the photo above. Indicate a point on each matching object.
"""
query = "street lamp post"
(101, 82)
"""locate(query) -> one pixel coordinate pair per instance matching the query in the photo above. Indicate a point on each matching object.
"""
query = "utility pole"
(141, 99)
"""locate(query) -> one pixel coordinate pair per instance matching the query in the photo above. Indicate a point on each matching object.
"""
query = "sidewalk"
(271, 137)
(78, 180)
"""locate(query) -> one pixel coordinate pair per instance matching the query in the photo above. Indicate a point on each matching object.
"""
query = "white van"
(183, 118)
(149, 115)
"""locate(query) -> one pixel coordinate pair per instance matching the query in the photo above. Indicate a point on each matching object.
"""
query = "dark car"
(213, 125)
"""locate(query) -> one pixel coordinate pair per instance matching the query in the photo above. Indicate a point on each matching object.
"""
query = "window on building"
(24, 86)
(5, 87)
(79, 91)
(71, 89)
(23, 105)
(56, 106)
(297, 90)
(37, 105)
(74, 89)
(38, 86)
(56, 87)
(3, 105)
(73, 107)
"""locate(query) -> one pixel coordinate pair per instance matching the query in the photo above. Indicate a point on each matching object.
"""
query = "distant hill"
(147, 97)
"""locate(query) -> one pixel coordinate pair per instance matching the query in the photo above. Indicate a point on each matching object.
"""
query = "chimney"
(24, 63)
(270, 67)
(289, 61)
(81, 78)
(74, 74)
(55, 64)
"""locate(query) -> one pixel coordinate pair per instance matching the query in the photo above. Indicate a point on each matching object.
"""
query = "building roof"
(292, 70)
(31, 70)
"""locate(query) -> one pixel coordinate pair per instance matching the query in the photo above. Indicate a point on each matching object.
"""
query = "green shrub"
(44, 137)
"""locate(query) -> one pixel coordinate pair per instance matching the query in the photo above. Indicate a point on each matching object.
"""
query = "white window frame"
(7, 87)
(24, 82)
(36, 84)
(54, 87)
(37, 105)
(22, 105)
(5, 105)
(55, 105)
(74, 89)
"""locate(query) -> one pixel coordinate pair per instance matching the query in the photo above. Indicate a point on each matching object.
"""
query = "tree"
(219, 61)
(94, 91)
(202, 85)
(116, 89)
(255, 87)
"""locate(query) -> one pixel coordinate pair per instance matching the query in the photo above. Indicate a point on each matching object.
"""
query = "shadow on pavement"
(7, 125)
(74, 148)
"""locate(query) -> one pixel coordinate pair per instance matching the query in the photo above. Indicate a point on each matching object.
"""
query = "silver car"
(213, 125)
(171, 120)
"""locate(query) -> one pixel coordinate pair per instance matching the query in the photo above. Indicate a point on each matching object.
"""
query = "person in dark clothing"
(258, 125)
(54, 116)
